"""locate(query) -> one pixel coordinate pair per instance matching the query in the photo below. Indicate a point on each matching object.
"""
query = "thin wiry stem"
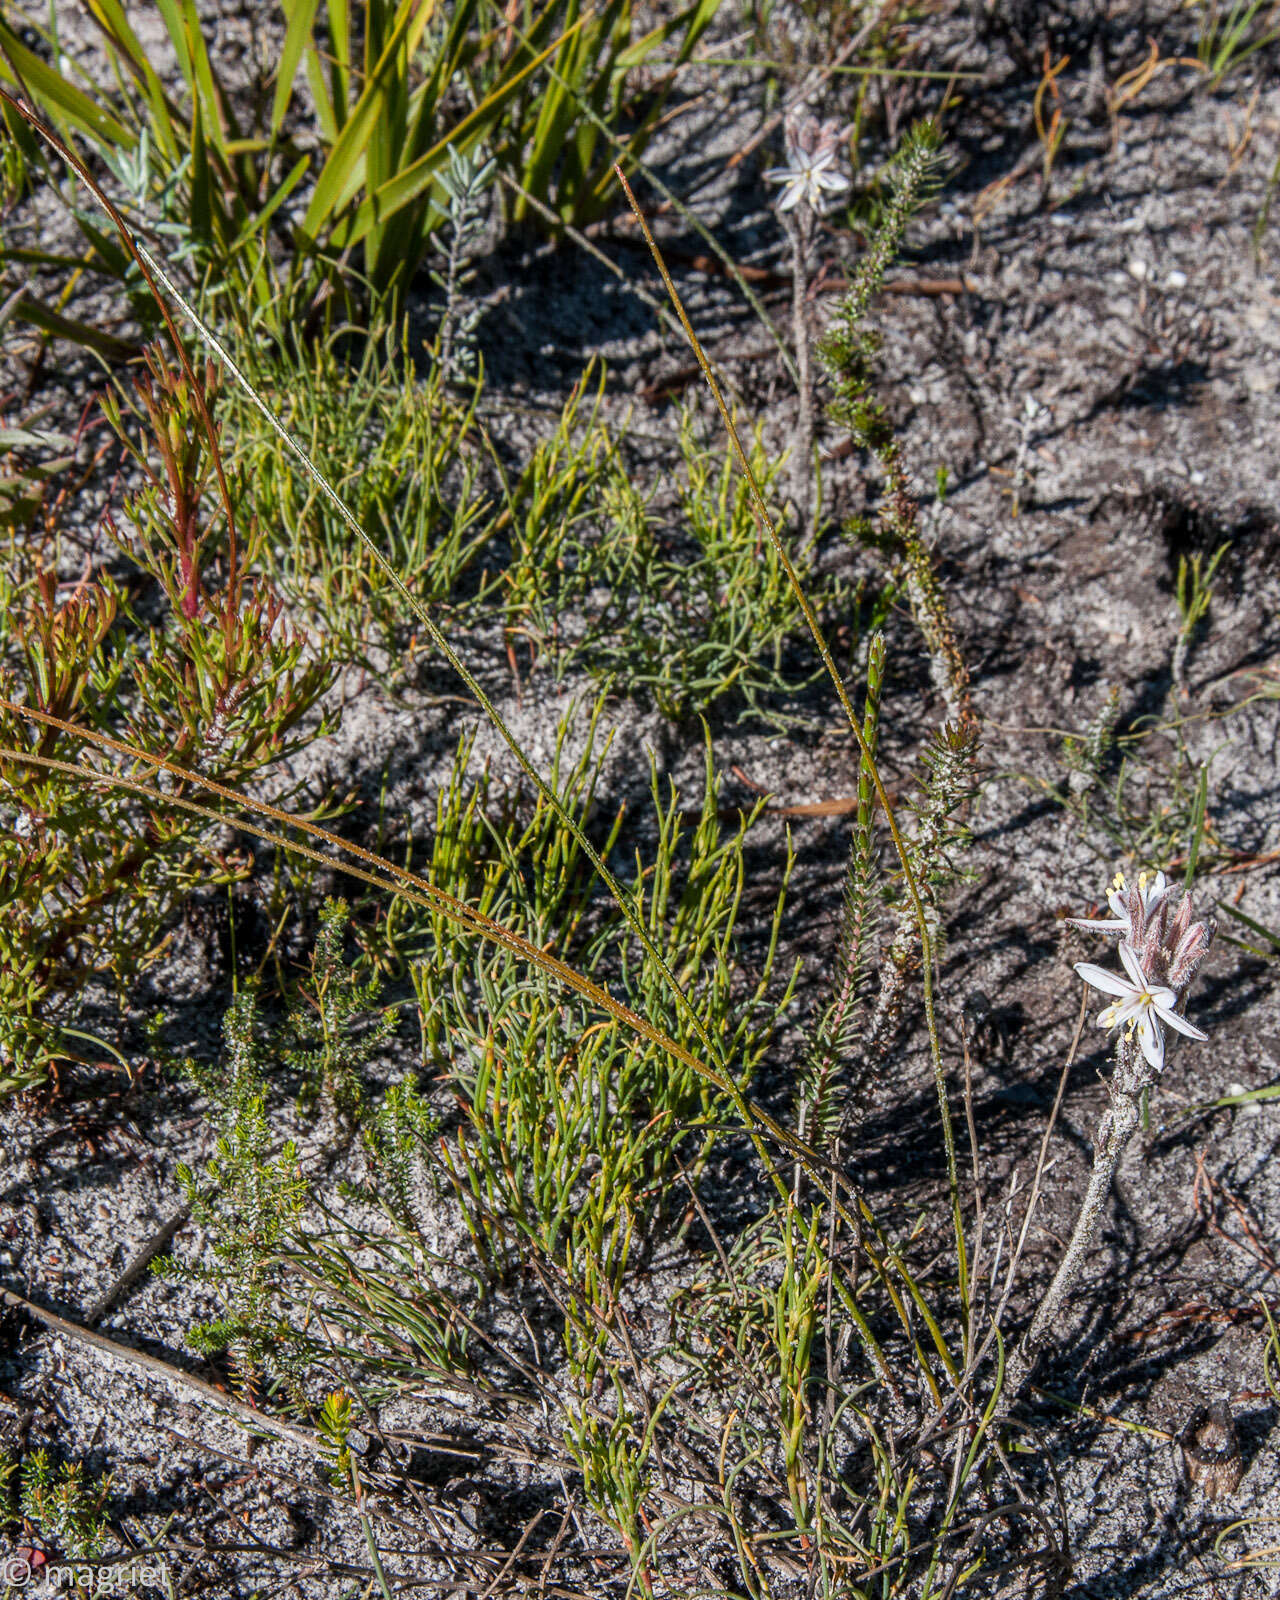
(143, 262)
(1120, 1121)
(397, 880)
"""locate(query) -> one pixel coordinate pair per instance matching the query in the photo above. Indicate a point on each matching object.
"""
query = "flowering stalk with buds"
(1161, 951)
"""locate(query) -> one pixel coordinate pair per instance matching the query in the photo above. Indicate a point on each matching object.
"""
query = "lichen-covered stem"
(1118, 1125)
(1161, 952)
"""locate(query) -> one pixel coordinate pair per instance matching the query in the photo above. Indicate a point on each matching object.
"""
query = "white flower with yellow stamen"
(1150, 890)
(1139, 1004)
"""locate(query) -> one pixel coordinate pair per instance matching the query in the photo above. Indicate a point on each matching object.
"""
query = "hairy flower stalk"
(810, 176)
(1161, 950)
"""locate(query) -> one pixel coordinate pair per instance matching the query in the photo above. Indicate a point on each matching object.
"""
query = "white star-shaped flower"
(1151, 892)
(1139, 1004)
(810, 178)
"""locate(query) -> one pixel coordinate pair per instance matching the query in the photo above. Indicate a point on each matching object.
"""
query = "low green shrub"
(185, 656)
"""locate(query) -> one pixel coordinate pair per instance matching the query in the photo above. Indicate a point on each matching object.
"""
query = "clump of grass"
(365, 152)
(570, 479)
(688, 895)
(409, 457)
(1229, 32)
(1194, 594)
(702, 610)
(674, 597)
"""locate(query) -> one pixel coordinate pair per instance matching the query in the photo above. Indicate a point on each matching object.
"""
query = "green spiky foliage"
(575, 1135)
(278, 1253)
(850, 348)
(946, 786)
(401, 1127)
(835, 1037)
(333, 1424)
(849, 353)
(65, 1506)
(406, 453)
(249, 1198)
(542, 1086)
(363, 120)
(328, 1038)
(673, 596)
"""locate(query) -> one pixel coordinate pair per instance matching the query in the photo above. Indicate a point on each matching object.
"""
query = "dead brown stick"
(154, 1245)
(98, 1342)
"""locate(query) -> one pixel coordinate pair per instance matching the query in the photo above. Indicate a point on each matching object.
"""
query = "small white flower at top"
(813, 150)
(1138, 1005)
(809, 180)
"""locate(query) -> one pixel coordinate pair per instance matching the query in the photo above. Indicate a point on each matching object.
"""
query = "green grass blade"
(407, 185)
(1197, 827)
(257, 222)
(341, 174)
(110, 17)
(48, 87)
(1236, 915)
(54, 323)
(297, 34)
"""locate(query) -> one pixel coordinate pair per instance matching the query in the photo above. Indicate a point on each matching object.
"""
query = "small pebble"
(1197, 477)
(1253, 1108)
(1137, 268)
(1175, 280)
